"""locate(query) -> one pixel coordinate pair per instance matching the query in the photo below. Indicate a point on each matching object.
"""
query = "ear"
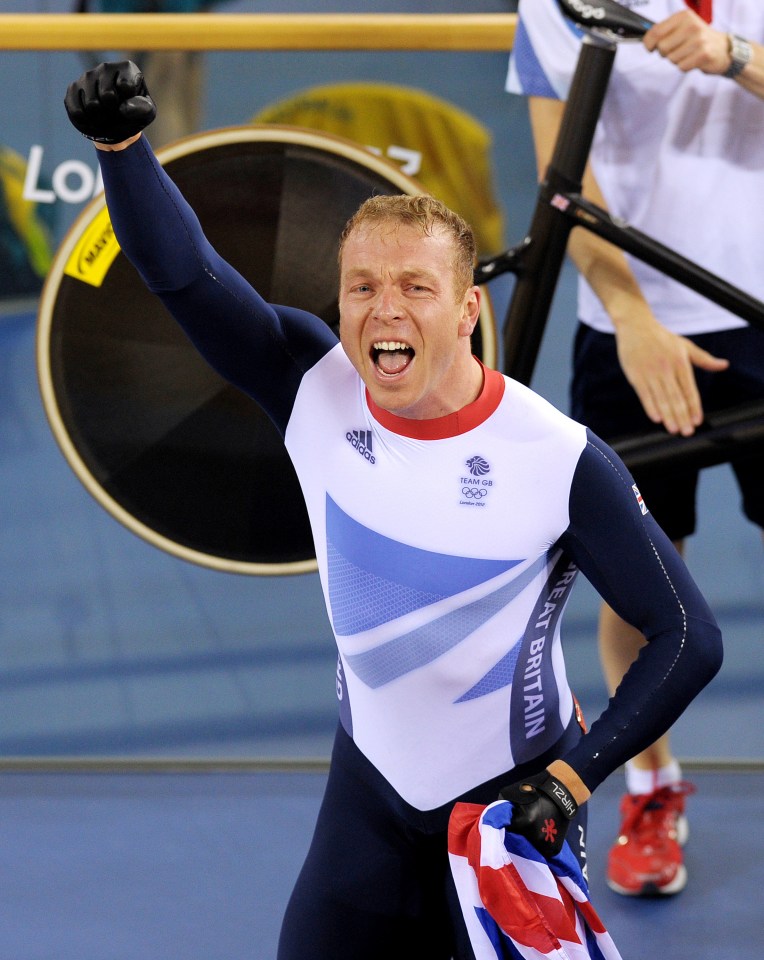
(470, 311)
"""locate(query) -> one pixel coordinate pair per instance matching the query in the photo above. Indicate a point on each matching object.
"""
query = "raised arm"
(262, 349)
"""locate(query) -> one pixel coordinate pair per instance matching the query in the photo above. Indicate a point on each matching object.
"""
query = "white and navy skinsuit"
(447, 550)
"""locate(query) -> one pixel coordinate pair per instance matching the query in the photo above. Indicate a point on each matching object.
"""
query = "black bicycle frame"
(538, 259)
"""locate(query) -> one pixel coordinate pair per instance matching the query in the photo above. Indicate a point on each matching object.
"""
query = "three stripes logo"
(361, 440)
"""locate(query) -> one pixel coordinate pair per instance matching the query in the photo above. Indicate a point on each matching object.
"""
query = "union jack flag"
(517, 904)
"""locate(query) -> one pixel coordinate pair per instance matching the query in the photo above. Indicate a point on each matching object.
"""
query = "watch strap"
(741, 52)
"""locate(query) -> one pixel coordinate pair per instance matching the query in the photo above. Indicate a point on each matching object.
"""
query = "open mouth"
(391, 357)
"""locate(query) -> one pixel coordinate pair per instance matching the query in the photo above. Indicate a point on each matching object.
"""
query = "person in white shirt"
(679, 154)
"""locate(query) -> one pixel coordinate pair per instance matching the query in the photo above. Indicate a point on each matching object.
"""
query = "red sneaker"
(646, 859)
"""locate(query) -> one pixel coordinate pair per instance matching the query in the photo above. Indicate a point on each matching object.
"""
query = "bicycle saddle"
(606, 17)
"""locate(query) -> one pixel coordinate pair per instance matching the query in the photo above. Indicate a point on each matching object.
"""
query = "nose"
(387, 306)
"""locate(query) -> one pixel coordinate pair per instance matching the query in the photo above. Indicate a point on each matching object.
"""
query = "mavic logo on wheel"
(587, 10)
(361, 441)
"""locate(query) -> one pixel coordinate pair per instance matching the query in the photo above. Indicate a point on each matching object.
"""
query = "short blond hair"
(431, 216)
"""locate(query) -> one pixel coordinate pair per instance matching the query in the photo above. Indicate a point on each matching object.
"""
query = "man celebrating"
(446, 555)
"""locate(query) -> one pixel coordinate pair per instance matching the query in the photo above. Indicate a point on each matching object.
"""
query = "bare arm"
(116, 146)
(689, 42)
(563, 771)
(657, 363)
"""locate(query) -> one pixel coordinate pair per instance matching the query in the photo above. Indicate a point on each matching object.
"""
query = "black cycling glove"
(110, 103)
(542, 808)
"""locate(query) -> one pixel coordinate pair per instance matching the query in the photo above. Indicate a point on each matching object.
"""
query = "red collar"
(453, 424)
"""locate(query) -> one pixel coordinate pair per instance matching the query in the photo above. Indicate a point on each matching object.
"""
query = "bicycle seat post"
(550, 227)
(582, 110)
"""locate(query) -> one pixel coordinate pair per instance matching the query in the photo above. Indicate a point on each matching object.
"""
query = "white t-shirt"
(679, 156)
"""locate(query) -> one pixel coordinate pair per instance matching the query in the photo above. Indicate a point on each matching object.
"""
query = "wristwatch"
(740, 52)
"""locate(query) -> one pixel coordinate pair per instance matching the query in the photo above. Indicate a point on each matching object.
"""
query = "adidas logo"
(361, 440)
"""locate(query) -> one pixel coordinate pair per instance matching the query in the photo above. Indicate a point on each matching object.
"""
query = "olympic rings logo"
(474, 493)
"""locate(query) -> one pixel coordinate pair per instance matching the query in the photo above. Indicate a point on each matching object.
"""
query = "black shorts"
(603, 399)
(376, 884)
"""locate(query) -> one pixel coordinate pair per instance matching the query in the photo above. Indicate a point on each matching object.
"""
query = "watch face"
(740, 53)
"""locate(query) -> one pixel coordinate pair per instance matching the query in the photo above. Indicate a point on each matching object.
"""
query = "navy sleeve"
(639, 573)
(260, 348)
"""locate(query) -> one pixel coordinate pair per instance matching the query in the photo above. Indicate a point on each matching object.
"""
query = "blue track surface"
(198, 866)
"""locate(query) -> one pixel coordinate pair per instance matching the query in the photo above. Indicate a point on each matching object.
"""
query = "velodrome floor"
(197, 864)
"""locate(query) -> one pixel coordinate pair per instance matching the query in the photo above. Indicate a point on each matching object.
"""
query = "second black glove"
(542, 808)
(110, 103)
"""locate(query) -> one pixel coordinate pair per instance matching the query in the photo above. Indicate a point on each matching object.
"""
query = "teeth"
(390, 345)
